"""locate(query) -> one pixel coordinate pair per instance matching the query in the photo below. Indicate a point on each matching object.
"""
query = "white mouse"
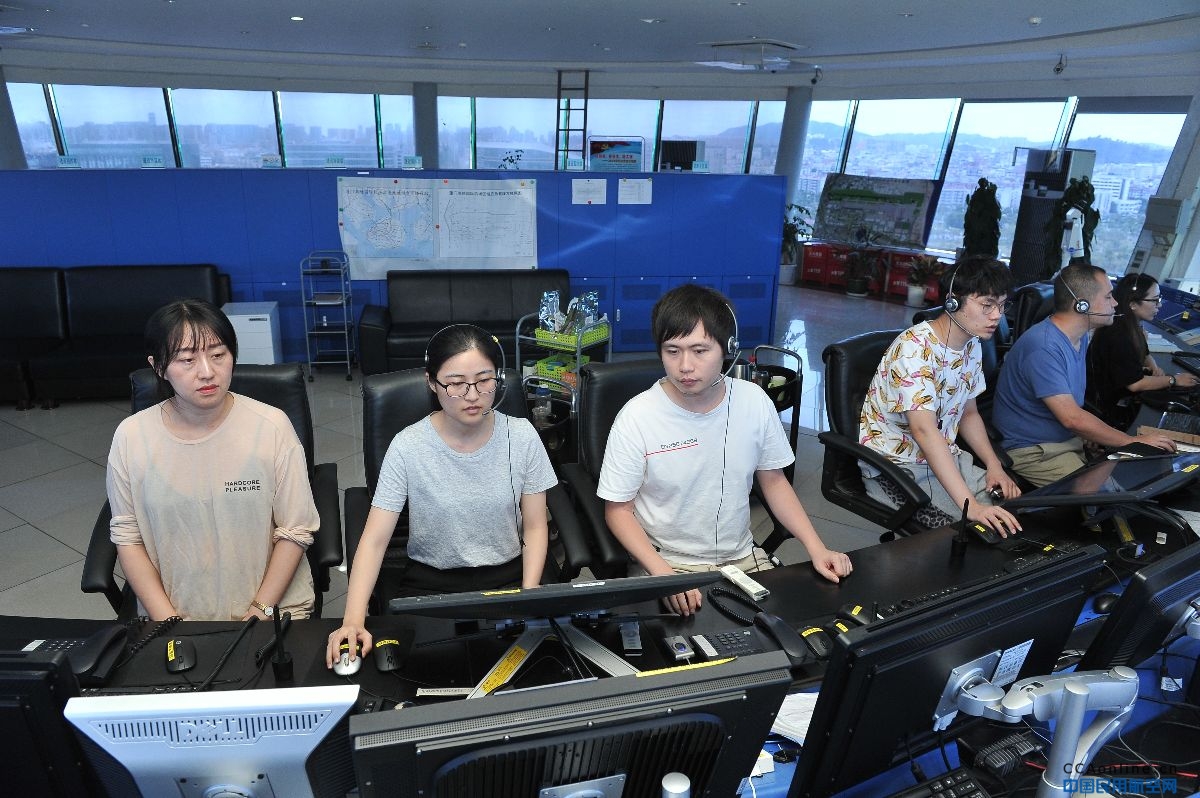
(346, 666)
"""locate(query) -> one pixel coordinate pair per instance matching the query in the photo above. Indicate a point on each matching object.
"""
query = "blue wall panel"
(212, 221)
(23, 208)
(145, 222)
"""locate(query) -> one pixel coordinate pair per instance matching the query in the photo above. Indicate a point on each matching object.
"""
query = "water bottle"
(541, 408)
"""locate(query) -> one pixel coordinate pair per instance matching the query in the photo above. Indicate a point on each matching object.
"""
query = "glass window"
(514, 133)
(822, 149)
(319, 126)
(631, 119)
(224, 129)
(33, 125)
(1131, 154)
(766, 137)
(987, 135)
(396, 119)
(900, 138)
(113, 127)
(722, 126)
(456, 148)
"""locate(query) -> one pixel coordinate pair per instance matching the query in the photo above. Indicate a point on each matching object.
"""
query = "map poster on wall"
(887, 210)
(396, 223)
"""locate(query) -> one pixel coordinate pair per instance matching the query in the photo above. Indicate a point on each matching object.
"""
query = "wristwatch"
(1172, 380)
(264, 609)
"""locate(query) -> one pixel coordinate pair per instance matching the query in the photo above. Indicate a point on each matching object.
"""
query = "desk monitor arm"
(1065, 698)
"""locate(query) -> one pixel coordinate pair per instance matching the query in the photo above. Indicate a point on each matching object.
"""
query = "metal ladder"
(570, 138)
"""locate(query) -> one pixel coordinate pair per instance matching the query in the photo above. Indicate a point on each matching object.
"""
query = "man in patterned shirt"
(923, 396)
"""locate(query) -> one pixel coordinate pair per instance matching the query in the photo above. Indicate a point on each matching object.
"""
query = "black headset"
(501, 384)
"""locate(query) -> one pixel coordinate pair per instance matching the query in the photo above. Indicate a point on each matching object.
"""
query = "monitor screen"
(1148, 613)
(287, 741)
(1114, 482)
(622, 734)
(550, 601)
(44, 757)
(884, 682)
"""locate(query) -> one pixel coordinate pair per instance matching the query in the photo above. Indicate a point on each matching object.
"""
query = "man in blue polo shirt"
(1039, 398)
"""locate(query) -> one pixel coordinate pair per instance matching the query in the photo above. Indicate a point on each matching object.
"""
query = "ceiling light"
(10, 30)
(297, 19)
(739, 5)
(1035, 20)
(652, 21)
(905, 14)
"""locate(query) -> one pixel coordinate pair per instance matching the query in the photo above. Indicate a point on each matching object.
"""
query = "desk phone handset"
(93, 658)
(784, 636)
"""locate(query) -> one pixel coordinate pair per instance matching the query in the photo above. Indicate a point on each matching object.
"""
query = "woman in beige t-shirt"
(211, 505)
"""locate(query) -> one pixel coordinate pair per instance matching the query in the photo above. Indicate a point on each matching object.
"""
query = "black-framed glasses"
(990, 307)
(458, 390)
(1158, 300)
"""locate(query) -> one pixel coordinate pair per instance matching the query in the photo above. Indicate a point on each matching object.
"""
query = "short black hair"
(171, 325)
(456, 339)
(980, 276)
(677, 311)
(1075, 282)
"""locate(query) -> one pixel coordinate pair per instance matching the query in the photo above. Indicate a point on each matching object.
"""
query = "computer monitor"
(41, 753)
(549, 601)
(621, 734)
(885, 682)
(1149, 612)
(276, 742)
(1122, 481)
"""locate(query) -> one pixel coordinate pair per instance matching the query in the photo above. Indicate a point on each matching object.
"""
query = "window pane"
(721, 125)
(987, 134)
(1131, 155)
(766, 137)
(900, 138)
(318, 126)
(396, 115)
(224, 129)
(625, 119)
(113, 127)
(822, 149)
(454, 133)
(33, 125)
(514, 133)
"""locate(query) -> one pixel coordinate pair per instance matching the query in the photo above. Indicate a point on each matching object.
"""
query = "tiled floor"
(52, 463)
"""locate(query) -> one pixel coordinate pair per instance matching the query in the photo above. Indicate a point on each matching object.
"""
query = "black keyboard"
(734, 643)
(957, 783)
(1181, 422)
(1189, 361)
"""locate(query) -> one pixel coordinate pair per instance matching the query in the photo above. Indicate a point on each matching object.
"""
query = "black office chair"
(395, 400)
(604, 388)
(282, 386)
(1031, 304)
(850, 365)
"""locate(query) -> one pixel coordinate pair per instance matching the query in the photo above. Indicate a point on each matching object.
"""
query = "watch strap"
(264, 609)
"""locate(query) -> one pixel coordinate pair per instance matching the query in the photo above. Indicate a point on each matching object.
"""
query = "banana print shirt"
(918, 372)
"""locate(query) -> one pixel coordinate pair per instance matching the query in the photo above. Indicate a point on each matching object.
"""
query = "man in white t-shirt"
(682, 456)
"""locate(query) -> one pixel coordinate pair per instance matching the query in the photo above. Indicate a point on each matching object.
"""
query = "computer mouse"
(818, 641)
(346, 666)
(181, 655)
(1103, 603)
(389, 655)
(856, 614)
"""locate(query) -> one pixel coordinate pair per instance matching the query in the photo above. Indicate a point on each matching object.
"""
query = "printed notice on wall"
(396, 223)
(589, 191)
(635, 191)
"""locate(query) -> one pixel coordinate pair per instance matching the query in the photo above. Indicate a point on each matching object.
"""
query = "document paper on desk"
(795, 716)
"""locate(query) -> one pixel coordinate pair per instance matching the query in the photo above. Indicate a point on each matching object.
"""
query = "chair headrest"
(850, 364)
(604, 388)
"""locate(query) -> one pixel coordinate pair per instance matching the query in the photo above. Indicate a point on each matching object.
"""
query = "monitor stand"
(538, 631)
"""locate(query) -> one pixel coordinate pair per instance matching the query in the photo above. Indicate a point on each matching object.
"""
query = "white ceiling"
(866, 48)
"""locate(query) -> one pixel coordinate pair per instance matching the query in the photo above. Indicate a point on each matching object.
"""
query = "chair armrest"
(611, 559)
(358, 506)
(577, 554)
(890, 517)
(373, 326)
(326, 550)
(100, 562)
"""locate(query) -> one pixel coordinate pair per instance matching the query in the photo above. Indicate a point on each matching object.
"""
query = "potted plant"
(981, 221)
(796, 229)
(923, 271)
(863, 262)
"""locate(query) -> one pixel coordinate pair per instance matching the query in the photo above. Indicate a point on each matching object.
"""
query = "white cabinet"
(257, 328)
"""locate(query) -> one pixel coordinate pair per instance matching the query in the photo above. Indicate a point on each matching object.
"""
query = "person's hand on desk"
(350, 633)
(831, 564)
(1157, 441)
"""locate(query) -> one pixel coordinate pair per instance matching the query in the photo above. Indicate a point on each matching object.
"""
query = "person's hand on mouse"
(346, 633)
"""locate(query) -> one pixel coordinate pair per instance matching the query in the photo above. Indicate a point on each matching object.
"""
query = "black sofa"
(78, 332)
(422, 302)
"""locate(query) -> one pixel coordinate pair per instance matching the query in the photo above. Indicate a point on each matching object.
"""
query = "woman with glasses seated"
(922, 398)
(475, 483)
(1121, 372)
